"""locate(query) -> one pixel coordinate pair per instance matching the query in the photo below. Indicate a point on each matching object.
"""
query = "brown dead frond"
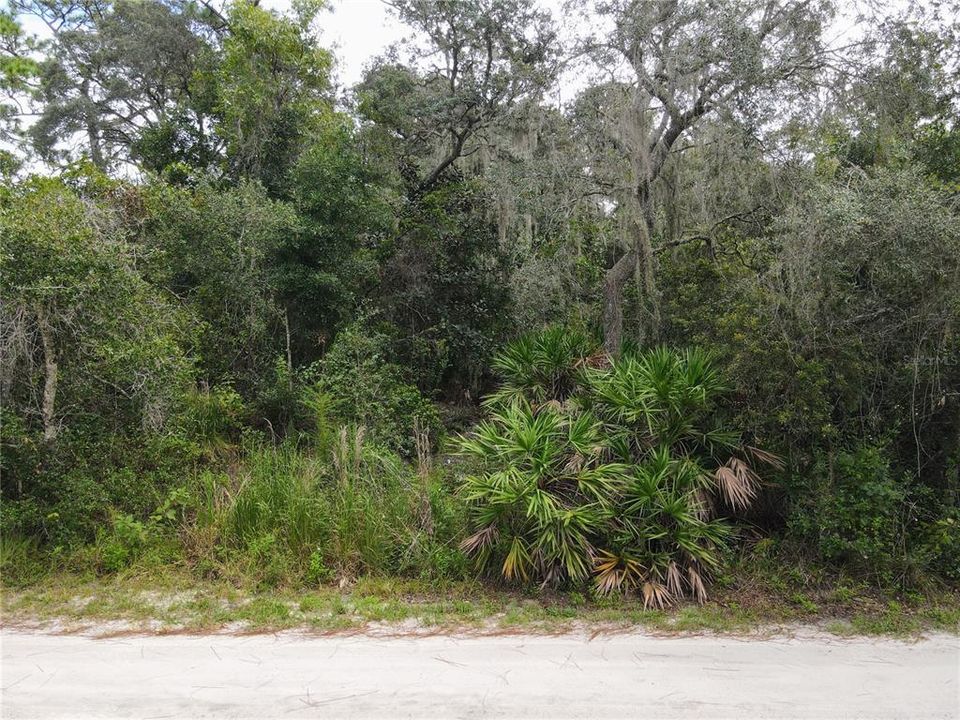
(575, 464)
(479, 540)
(656, 595)
(552, 405)
(615, 573)
(674, 580)
(697, 586)
(737, 483)
(600, 360)
(703, 506)
(765, 457)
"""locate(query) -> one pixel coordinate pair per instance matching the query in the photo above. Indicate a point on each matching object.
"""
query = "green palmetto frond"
(585, 434)
(717, 440)
(517, 563)
(582, 452)
(622, 394)
(603, 484)
(541, 367)
(565, 542)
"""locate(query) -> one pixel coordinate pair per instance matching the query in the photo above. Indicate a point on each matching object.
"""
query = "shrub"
(120, 542)
(858, 511)
(365, 388)
(293, 515)
(213, 417)
(69, 496)
(614, 473)
(542, 366)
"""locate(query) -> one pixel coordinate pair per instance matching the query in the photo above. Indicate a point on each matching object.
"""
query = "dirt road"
(631, 675)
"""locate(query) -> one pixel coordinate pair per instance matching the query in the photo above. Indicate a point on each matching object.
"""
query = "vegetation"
(613, 473)
(688, 336)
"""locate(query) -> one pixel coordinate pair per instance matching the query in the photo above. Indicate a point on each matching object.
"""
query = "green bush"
(213, 417)
(121, 542)
(616, 473)
(366, 388)
(860, 513)
(69, 496)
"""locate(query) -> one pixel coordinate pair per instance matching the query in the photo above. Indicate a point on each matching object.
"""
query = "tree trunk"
(50, 370)
(651, 303)
(638, 259)
(93, 134)
(613, 283)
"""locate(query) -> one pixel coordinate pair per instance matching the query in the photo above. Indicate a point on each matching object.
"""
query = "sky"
(360, 30)
(357, 31)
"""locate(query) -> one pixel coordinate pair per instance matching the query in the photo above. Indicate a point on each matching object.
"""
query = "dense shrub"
(615, 473)
(858, 512)
(365, 388)
(296, 515)
(67, 498)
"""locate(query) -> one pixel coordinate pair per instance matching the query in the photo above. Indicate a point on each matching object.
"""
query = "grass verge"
(173, 602)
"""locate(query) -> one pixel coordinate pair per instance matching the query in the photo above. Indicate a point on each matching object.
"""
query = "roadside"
(809, 675)
(171, 603)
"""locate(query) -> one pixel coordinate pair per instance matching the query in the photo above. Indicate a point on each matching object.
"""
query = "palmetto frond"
(517, 563)
(582, 452)
(737, 483)
(762, 456)
(616, 573)
(656, 594)
(541, 367)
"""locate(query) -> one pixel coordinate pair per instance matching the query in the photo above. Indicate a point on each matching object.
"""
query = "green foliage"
(121, 543)
(364, 387)
(65, 497)
(73, 297)
(445, 287)
(294, 515)
(212, 417)
(618, 478)
(861, 514)
(271, 85)
(858, 512)
(212, 248)
(233, 315)
(542, 367)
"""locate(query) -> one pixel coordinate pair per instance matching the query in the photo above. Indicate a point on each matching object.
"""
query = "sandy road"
(632, 675)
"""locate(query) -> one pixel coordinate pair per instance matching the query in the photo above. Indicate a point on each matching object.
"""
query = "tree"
(272, 90)
(869, 268)
(18, 72)
(83, 333)
(116, 71)
(215, 250)
(481, 57)
(177, 84)
(688, 60)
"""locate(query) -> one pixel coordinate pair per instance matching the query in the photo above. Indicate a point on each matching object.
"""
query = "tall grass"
(293, 513)
(278, 495)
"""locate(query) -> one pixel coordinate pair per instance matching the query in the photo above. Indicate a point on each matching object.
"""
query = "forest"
(641, 299)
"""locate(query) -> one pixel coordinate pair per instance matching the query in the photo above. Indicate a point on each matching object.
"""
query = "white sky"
(359, 30)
